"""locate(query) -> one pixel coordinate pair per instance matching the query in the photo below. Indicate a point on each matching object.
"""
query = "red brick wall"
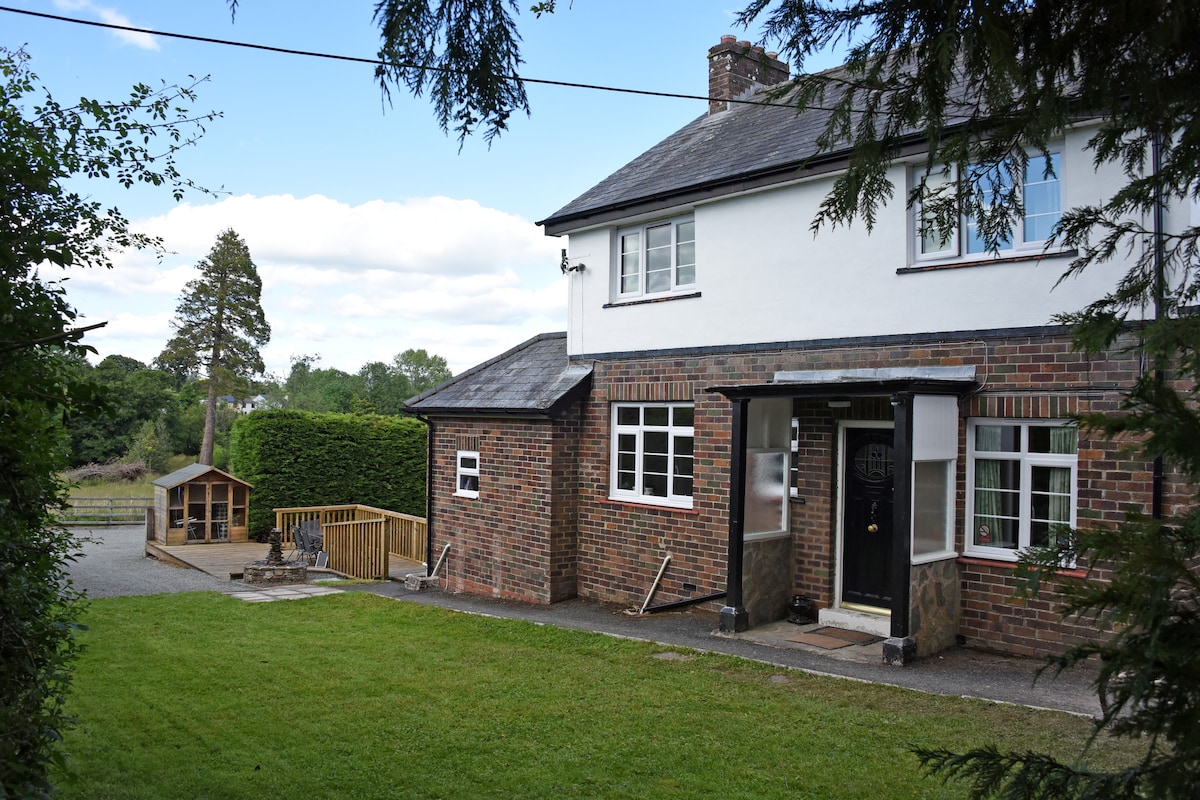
(1031, 376)
(516, 540)
(544, 529)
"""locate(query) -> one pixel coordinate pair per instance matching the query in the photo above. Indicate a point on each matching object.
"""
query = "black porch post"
(900, 648)
(734, 617)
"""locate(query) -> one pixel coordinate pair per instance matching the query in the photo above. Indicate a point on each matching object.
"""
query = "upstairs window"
(658, 258)
(1040, 194)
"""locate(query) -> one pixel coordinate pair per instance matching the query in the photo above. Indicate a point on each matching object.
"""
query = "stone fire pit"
(274, 571)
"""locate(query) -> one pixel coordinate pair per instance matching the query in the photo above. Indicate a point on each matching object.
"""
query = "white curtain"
(987, 484)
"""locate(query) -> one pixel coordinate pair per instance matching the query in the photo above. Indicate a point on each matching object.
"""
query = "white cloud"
(113, 17)
(352, 284)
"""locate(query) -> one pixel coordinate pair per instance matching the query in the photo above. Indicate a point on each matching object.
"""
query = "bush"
(300, 458)
(150, 446)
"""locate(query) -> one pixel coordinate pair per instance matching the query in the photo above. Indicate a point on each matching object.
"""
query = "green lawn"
(357, 696)
(142, 488)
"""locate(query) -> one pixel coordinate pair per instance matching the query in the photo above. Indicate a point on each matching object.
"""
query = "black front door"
(867, 483)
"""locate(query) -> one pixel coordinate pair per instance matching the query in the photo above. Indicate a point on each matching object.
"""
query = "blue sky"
(372, 231)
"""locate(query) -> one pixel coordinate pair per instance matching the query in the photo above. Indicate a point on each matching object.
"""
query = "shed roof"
(535, 378)
(191, 472)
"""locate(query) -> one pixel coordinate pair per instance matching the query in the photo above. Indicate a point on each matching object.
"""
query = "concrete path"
(113, 565)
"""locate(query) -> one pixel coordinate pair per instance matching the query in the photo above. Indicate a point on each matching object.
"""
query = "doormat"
(819, 640)
(834, 638)
(854, 637)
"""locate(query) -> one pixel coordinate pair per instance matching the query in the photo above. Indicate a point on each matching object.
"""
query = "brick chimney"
(735, 68)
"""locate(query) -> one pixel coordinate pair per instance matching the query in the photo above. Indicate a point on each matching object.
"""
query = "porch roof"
(857, 382)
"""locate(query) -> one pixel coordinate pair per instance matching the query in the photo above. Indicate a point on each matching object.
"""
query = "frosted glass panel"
(766, 492)
(931, 507)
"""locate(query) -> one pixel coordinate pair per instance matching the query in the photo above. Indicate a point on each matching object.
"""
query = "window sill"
(467, 495)
(986, 261)
(929, 558)
(644, 300)
(766, 536)
(621, 501)
(997, 563)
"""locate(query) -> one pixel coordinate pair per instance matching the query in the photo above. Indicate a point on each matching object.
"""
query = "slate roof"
(715, 154)
(532, 379)
(747, 146)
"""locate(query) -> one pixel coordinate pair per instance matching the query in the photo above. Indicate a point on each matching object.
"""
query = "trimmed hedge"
(301, 458)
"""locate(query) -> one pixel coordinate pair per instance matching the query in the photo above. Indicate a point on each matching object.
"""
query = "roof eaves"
(798, 169)
(475, 370)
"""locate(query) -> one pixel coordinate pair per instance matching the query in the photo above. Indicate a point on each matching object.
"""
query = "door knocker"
(872, 526)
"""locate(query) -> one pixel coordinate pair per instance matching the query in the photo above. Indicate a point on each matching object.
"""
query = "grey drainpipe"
(429, 437)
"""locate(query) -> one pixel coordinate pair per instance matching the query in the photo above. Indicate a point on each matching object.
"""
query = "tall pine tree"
(220, 326)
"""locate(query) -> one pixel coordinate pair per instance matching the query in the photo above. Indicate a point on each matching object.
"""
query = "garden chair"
(299, 543)
(314, 539)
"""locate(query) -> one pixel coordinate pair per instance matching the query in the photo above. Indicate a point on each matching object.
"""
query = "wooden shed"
(200, 504)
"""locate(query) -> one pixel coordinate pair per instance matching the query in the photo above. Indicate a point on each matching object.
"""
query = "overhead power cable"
(373, 61)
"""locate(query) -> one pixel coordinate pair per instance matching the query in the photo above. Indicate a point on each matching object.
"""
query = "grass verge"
(139, 488)
(357, 696)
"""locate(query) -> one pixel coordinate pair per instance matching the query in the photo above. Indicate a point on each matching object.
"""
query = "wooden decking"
(225, 561)
(361, 540)
(219, 560)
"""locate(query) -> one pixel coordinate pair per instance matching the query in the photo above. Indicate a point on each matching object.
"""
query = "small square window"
(467, 477)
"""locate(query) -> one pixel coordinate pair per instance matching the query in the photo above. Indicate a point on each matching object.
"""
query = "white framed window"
(1041, 196)
(1022, 477)
(657, 258)
(652, 453)
(467, 477)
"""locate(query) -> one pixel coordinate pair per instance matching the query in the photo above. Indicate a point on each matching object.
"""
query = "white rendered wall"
(764, 277)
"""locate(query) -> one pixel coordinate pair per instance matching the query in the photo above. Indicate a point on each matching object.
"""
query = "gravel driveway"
(113, 564)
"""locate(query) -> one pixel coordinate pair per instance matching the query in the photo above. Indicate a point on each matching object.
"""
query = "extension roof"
(532, 379)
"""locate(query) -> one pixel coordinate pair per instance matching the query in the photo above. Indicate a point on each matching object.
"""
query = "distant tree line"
(156, 411)
(377, 388)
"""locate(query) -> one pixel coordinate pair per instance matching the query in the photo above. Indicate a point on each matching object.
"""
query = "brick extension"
(543, 528)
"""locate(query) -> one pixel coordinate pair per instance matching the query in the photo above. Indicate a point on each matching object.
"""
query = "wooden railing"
(360, 539)
(105, 510)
